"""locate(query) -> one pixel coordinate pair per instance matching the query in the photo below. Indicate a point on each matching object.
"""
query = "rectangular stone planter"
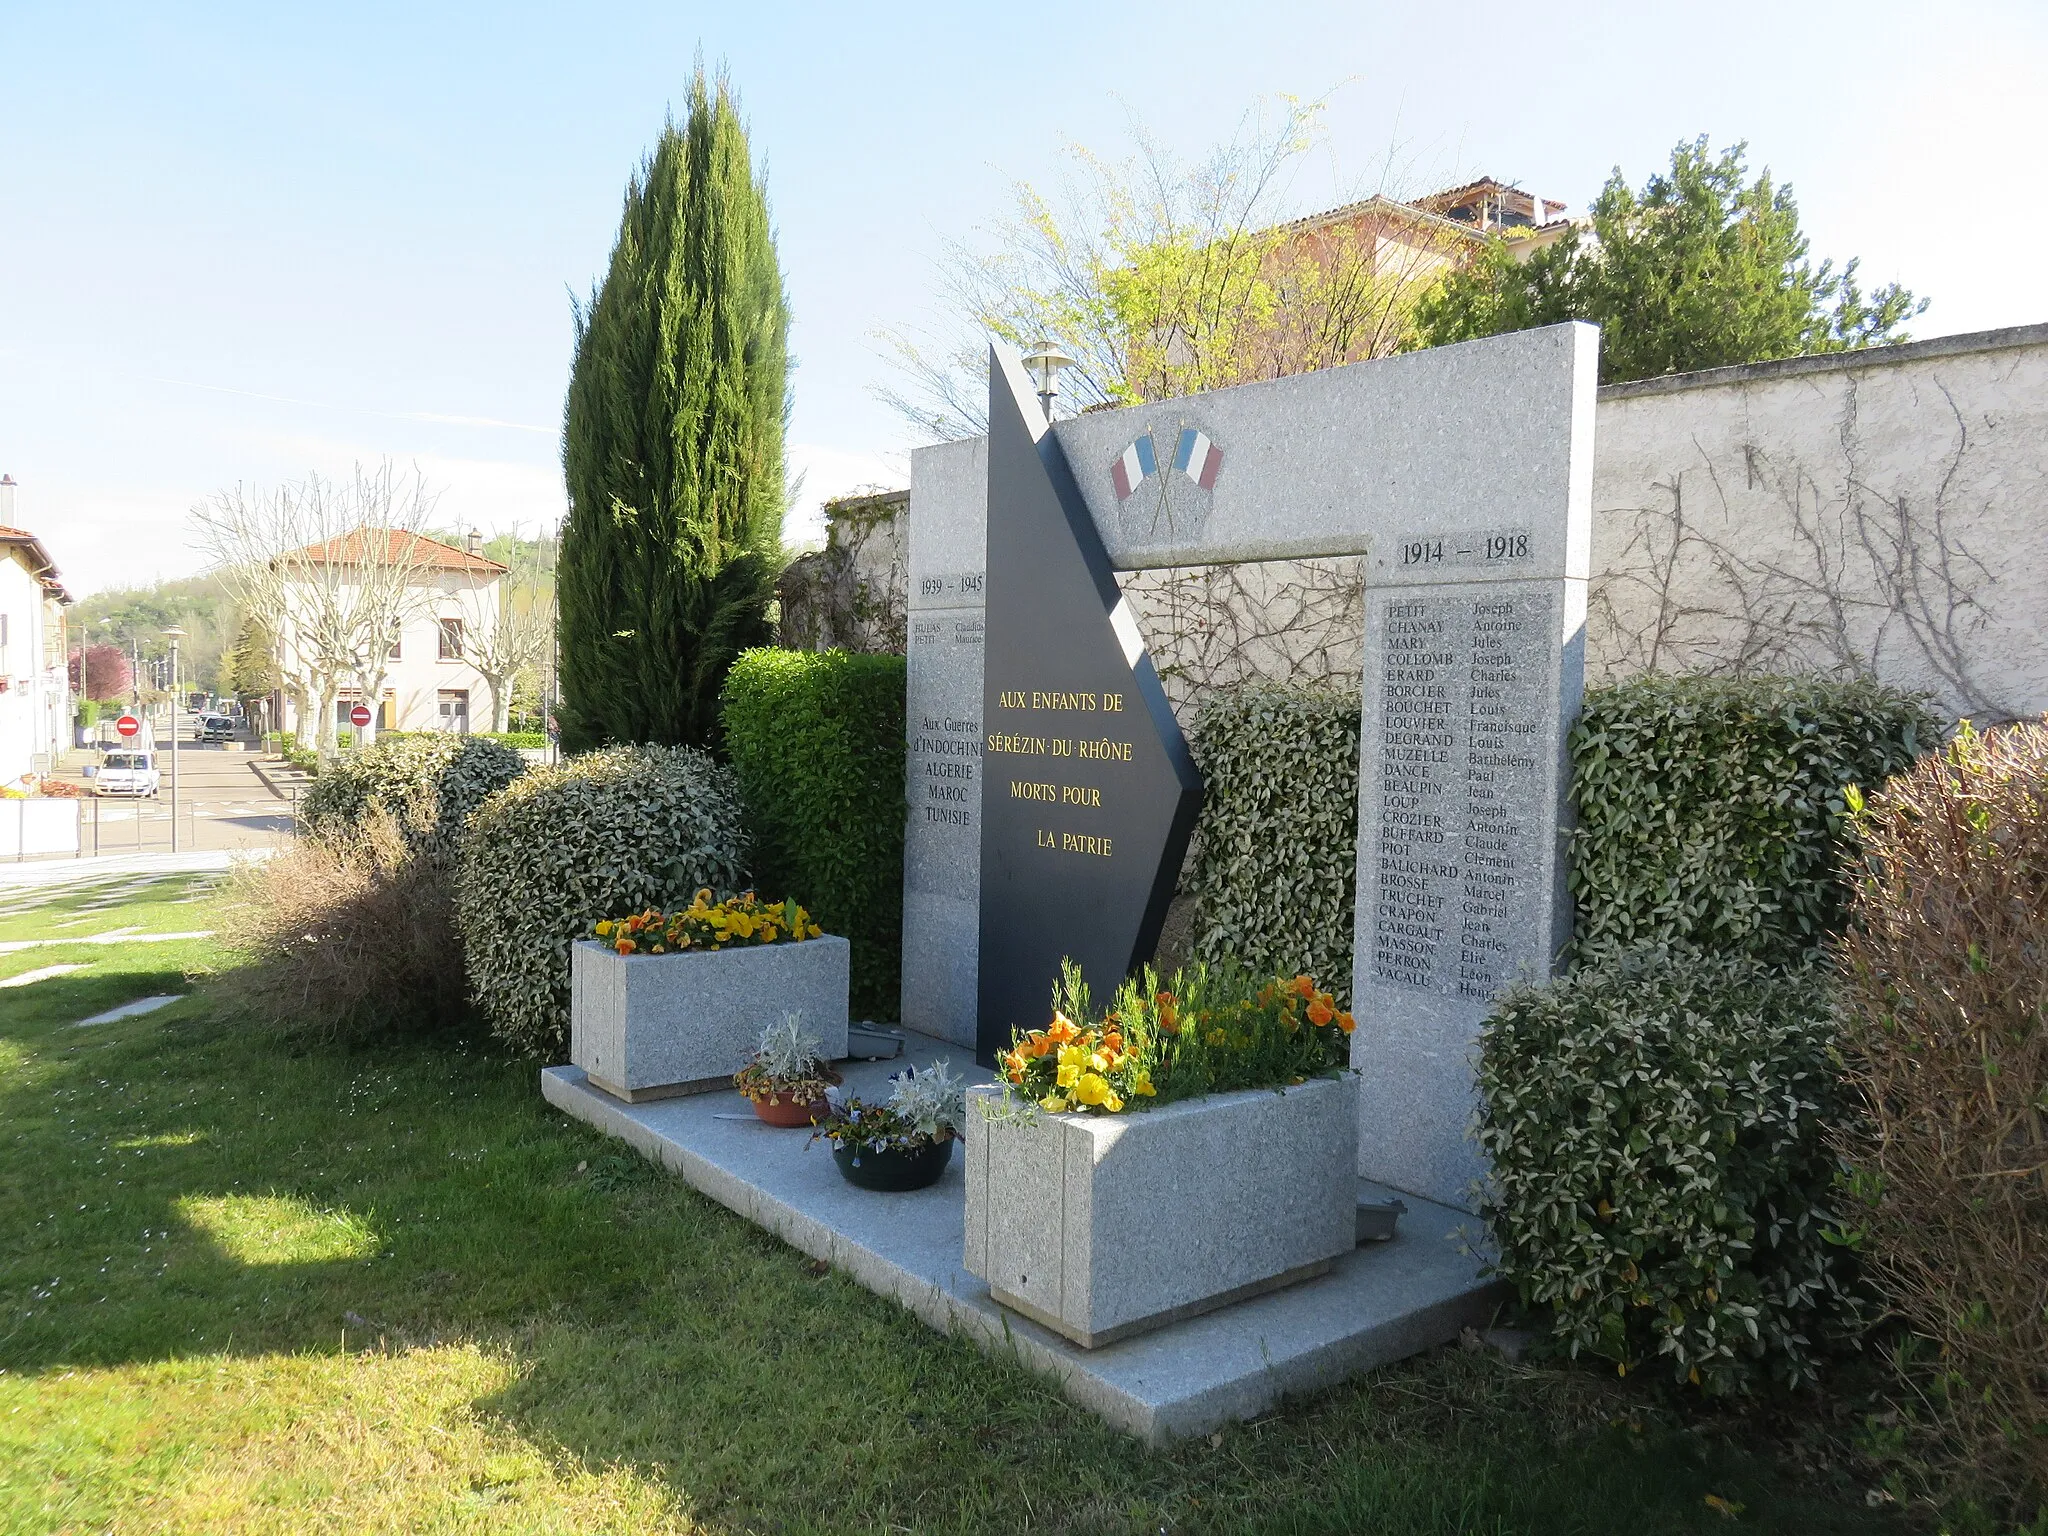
(658, 1026)
(1102, 1226)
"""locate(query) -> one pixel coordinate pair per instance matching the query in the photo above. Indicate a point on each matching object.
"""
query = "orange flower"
(1320, 1012)
(1346, 1023)
(1113, 1041)
(1062, 1029)
(1304, 986)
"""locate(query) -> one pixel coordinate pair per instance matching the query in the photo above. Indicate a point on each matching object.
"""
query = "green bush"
(527, 741)
(88, 713)
(601, 835)
(1712, 812)
(452, 775)
(1276, 849)
(1657, 1122)
(816, 738)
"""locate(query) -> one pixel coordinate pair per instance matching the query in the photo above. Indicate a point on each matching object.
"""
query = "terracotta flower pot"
(789, 1113)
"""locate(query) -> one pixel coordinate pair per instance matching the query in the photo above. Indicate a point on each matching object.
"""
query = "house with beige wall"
(451, 597)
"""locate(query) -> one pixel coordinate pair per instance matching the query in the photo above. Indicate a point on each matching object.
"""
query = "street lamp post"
(1044, 363)
(174, 634)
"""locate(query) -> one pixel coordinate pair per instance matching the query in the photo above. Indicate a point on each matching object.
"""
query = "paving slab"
(130, 1010)
(1379, 1303)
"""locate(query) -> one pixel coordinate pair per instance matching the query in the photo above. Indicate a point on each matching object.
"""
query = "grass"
(248, 1288)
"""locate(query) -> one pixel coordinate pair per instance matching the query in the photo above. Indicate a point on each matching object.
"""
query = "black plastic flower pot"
(894, 1170)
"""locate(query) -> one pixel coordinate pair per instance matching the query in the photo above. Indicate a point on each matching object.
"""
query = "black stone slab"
(1088, 792)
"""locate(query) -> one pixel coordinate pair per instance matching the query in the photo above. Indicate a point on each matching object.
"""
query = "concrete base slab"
(1378, 1303)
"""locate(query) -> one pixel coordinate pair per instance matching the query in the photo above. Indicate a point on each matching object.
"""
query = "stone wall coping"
(1832, 362)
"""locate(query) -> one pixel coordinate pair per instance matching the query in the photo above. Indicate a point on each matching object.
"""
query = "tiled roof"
(41, 566)
(398, 547)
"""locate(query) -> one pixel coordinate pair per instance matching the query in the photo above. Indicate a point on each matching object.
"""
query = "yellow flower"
(1099, 1061)
(1141, 1084)
(604, 930)
(1111, 1102)
(1092, 1089)
(1066, 1077)
(1052, 1103)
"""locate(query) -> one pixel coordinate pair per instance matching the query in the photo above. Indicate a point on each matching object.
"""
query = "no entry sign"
(128, 725)
(359, 716)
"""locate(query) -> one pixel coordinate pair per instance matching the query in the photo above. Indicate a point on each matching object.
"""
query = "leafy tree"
(672, 445)
(1701, 269)
(1164, 278)
(248, 669)
(101, 672)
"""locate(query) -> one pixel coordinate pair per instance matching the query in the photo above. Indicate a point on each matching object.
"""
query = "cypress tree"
(672, 443)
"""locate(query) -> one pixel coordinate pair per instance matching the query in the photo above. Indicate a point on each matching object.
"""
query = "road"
(221, 804)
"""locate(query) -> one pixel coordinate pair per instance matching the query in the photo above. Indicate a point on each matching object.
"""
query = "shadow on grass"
(653, 1330)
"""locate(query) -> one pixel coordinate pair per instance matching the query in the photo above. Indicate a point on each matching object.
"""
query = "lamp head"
(1045, 362)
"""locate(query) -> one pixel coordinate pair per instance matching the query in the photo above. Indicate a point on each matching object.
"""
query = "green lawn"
(244, 1287)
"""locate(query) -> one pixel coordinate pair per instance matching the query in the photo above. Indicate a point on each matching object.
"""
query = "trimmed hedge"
(1657, 1122)
(429, 781)
(1712, 812)
(1276, 861)
(603, 834)
(816, 739)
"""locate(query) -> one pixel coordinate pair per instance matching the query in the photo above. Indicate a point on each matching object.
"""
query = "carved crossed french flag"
(1131, 469)
(1198, 458)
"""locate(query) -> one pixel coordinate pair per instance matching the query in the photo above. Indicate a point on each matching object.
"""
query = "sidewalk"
(60, 871)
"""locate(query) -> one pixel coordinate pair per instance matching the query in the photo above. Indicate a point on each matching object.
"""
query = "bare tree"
(331, 568)
(504, 635)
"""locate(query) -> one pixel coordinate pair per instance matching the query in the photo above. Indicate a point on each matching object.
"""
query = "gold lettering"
(1106, 751)
(1078, 794)
(1076, 842)
(1024, 789)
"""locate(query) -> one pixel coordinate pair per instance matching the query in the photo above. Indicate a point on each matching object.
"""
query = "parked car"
(127, 773)
(215, 728)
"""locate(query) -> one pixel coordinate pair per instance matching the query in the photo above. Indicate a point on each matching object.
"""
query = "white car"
(127, 773)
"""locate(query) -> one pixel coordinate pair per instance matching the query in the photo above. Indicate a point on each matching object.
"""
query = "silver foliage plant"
(933, 1101)
(787, 1052)
(604, 834)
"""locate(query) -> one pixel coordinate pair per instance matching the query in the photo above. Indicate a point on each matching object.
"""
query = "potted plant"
(668, 1003)
(786, 1080)
(1193, 1145)
(905, 1142)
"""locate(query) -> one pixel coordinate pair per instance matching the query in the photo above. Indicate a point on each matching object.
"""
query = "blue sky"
(241, 242)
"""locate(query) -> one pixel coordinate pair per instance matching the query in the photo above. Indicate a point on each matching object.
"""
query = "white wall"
(414, 682)
(1884, 511)
(24, 709)
(416, 679)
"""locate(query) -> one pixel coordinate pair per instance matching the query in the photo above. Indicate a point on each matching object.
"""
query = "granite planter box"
(658, 1026)
(1102, 1226)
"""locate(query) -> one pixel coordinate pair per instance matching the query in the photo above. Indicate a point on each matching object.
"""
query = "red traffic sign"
(359, 716)
(128, 725)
